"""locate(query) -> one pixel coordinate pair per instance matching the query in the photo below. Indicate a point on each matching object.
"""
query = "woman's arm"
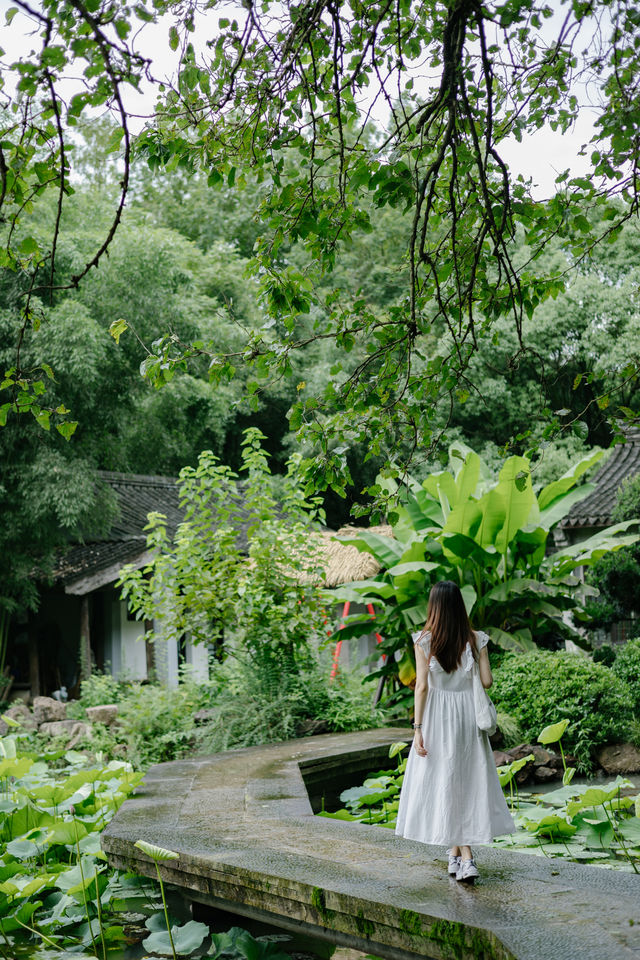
(420, 698)
(485, 669)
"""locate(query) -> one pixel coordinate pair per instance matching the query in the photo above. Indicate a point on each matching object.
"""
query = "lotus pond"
(595, 823)
(59, 897)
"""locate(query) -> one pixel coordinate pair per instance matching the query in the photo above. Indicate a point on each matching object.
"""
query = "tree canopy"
(317, 221)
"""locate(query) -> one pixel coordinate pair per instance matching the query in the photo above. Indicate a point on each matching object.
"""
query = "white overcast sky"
(541, 156)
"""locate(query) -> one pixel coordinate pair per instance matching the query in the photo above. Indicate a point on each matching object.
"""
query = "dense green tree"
(284, 103)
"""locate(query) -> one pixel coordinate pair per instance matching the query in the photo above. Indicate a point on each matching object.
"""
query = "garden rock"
(106, 713)
(19, 712)
(618, 758)
(48, 710)
(63, 728)
(202, 716)
(545, 773)
(545, 766)
(79, 732)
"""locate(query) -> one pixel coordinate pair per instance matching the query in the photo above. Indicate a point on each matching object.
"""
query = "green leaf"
(553, 732)
(22, 849)
(157, 854)
(43, 418)
(117, 328)
(559, 487)
(397, 748)
(186, 939)
(67, 429)
(581, 429)
(516, 493)
(28, 246)
(174, 38)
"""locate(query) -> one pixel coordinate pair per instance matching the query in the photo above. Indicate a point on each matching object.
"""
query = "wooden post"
(85, 639)
(34, 659)
(150, 651)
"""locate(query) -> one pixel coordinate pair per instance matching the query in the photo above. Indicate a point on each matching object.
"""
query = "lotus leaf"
(8, 748)
(186, 939)
(156, 853)
(68, 832)
(630, 829)
(553, 732)
(239, 944)
(15, 768)
(379, 782)
(22, 849)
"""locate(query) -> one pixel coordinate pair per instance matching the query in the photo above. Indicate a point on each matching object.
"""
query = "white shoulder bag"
(486, 717)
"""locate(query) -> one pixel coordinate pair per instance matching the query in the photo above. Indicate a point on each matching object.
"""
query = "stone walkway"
(249, 843)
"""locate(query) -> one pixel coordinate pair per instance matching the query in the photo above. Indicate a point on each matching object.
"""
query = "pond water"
(297, 946)
(539, 789)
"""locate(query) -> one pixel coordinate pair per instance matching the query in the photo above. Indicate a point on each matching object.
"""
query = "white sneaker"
(467, 871)
(454, 864)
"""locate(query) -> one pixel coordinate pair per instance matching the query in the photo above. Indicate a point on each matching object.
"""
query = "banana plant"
(494, 538)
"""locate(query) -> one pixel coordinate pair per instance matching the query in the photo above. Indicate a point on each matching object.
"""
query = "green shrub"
(604, 654)
(540, 688)
(156, 723)
(101, 688)
(254, 702)
(627, 667)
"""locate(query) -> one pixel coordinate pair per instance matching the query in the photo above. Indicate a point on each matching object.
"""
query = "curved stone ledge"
(243, 823)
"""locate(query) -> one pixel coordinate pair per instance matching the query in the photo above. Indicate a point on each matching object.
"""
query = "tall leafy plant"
(492, 538)
(241, 564)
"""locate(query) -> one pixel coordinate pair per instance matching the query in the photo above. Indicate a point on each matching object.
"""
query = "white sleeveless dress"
(453, 795)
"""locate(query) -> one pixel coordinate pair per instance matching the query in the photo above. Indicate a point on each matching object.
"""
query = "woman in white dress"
(451, 794)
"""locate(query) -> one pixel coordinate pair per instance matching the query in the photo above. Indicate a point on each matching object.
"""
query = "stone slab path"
(250, 844)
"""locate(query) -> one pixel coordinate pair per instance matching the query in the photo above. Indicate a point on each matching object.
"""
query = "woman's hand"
(418, 743)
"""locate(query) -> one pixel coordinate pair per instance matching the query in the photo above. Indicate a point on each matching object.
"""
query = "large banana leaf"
(442, 487)
(517, 642)
(412, 566)
(467, 477)
(560, 507)
(423, 512)
(514, 487)
(493, 511)
(360, 591)
(465, 518)
(469, 596)
(456, 548)
(568, 480)
(386, 550)
(529, 546)
(588, 551)
(505, 590)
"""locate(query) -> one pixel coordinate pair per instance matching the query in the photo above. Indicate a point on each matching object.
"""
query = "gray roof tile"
(596, 509)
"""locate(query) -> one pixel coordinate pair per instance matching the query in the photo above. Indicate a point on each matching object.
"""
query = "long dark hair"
(448, 623)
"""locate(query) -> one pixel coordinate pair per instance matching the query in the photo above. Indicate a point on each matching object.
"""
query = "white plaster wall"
(197, 656)
(166, 659)
(132, 660)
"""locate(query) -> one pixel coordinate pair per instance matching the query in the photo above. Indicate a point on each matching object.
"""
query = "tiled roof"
(137, 496)
(93, 557)
(596, 509)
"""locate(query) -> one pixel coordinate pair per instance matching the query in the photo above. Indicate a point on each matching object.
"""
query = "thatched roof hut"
(343, 563)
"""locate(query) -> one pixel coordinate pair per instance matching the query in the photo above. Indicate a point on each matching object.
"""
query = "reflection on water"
(542, 788)
(298, 946)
